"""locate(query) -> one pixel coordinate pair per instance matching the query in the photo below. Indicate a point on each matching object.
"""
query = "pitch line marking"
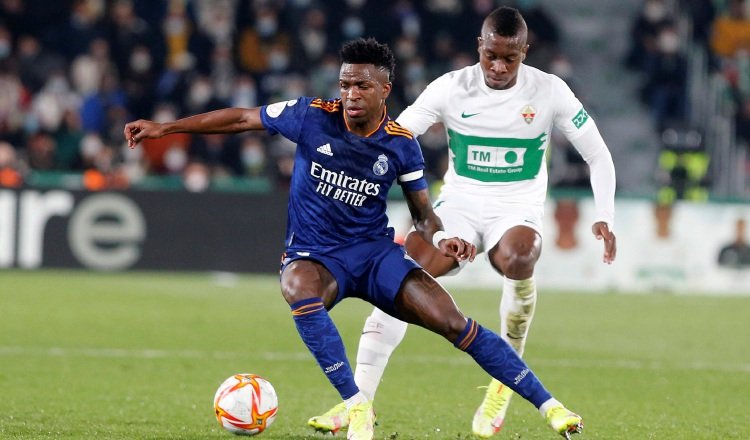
(147, 353)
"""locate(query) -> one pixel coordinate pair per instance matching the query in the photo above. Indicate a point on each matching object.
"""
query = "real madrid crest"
(528, 113)
(381, 166)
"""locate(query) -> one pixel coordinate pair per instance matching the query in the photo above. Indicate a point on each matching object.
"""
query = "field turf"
(139, 355)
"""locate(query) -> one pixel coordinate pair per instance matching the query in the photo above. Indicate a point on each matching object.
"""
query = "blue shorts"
(372, 270)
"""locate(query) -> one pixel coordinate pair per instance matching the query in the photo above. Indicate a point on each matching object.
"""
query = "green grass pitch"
(139, 355)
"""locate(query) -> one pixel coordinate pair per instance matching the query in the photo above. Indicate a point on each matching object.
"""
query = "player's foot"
(488, 420)
(564, 421)
(361, 421)
(332, 420)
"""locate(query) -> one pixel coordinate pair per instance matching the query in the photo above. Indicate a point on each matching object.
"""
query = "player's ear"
(387, 87)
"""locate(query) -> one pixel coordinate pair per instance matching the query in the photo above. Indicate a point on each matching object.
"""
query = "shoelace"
(493, 403)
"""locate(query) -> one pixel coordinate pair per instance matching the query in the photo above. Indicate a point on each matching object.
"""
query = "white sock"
(355, 399)
(516, 311)
(551, 403)
(380, 336)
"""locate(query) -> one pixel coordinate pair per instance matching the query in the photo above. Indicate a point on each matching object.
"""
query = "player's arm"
(594, 151)
(426, 109)
(228, 120)
(429, 226)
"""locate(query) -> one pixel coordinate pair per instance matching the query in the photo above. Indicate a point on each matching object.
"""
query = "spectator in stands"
(666, 84)
(10, 173)
(644, 33)
(736, 255)
(731, 31)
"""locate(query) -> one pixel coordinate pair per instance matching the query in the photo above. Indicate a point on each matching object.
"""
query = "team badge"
(528, 113)
(381, 166)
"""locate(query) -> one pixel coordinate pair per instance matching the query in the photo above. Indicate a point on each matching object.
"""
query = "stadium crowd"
(73, 72)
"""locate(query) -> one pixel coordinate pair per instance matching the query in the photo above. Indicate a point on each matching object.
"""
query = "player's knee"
(296, 285)
(519, 264)
(454, 327)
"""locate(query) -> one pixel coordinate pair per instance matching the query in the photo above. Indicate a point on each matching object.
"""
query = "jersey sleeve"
(411, 176)
(286, 117)
(427, 109)
(570, 116)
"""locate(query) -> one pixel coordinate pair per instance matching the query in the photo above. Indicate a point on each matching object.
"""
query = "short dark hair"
(505, 21)
(369, 51)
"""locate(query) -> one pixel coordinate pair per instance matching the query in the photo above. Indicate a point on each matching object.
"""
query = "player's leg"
(309, 289)
(380, 336)
(422, 301)
(382, 333)
(514, 256)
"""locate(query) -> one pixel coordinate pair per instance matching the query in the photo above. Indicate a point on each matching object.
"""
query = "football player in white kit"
(498, 116)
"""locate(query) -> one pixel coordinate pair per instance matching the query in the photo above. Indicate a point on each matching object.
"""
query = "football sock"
(355, 399)
(502, 362)
(317, 330)
(516, 311)
(550, 403)
(380, 336)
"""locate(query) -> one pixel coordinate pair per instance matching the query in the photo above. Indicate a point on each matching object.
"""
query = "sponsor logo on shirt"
(580, 118)
(341, 186)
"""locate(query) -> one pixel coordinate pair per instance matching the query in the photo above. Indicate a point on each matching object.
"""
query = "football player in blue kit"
(338, 243)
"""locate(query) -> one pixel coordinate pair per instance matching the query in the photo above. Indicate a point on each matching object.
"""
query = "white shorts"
(484, 220)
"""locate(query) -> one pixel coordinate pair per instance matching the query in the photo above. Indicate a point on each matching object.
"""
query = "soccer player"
(498, 115)
(338, 243)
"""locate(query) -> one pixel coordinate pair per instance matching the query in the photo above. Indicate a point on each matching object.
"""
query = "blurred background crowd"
(73, 72)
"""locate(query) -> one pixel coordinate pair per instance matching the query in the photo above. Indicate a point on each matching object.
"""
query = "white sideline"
(399, 358)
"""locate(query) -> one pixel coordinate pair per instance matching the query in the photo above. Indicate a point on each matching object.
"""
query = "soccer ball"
(245, 404)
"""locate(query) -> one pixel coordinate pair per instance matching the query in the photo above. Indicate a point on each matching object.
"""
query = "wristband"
(437, 236)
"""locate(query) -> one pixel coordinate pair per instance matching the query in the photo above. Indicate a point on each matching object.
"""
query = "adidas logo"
(325, 149)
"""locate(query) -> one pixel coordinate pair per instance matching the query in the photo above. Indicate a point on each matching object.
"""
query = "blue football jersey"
(341, 180)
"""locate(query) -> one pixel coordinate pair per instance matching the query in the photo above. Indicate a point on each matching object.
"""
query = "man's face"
(364, 89)
(500, 58)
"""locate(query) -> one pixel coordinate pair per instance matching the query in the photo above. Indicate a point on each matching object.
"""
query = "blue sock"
(499, 359)
(317, 330)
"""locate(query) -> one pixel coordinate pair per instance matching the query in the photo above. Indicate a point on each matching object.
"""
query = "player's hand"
(601, 232)
(458, 248)
(141, 129)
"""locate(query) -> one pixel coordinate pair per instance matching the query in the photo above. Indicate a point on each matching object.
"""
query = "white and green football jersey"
(498, 139)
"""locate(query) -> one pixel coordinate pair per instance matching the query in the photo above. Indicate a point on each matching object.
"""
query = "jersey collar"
(379, 126)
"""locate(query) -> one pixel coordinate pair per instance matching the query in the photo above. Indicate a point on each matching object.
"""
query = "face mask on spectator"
(278, 60)
(266, 26)
(252, 155)
(164, 115)
(654, 11)
(140, 61)
(352, 27)
(196, 178)
(91, 145)
(245, 96)
(669, 42)
(175, 160)
(200, 93)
